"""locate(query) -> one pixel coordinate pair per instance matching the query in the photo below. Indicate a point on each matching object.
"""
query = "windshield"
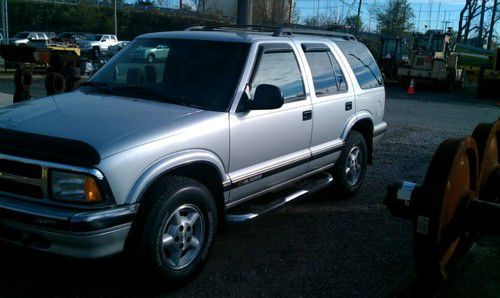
(195, 73)
(94, 37)
(64, 35)
(21, 35)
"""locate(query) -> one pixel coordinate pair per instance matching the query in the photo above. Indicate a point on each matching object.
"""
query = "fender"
(171, 162)
(360, 115)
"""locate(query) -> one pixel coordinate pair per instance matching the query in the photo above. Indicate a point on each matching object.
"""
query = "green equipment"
(489, 78)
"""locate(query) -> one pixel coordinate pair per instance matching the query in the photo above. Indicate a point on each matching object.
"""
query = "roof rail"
(289, 31)
(259, 28)
(277, 31)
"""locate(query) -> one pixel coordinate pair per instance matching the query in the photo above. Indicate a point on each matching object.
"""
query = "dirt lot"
(318, 247)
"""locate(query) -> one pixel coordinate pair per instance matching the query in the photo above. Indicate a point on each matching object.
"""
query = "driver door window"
(280, 69)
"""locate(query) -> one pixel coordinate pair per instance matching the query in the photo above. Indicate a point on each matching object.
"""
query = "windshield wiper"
(153, 95)
(98, 85)
(369, 68)
(139, 91)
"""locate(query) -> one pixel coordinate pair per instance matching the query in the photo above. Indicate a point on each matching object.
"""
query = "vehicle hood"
(16, 40)
(108, 123)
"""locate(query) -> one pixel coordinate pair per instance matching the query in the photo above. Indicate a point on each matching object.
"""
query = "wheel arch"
(362, 122)
(200, 165)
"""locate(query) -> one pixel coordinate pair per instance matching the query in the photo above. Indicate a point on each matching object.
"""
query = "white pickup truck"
(97, 43)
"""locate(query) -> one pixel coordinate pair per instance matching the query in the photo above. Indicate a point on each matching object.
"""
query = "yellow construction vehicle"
(432, 60)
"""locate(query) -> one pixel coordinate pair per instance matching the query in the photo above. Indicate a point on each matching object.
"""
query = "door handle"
(307, 115)
(348, 106)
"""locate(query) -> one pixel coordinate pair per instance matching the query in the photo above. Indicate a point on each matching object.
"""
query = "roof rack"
(289, 31)
(258, 28)
(277, 31)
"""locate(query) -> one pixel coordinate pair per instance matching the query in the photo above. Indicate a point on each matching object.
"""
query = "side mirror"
(267, 97)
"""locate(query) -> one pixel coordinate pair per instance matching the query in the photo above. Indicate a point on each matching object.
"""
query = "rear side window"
(324, 79)
(362, 63)
(339, 74)
(280, 69)
(328, 78)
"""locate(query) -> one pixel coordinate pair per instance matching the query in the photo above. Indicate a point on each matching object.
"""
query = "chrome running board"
(304, 188)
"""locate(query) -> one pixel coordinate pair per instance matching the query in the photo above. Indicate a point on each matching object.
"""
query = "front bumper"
(81, 234)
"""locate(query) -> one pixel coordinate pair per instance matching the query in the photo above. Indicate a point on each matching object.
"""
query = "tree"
(471, 7)
(481, 25)
(353, 22)
(321, 20)
(295, 16)
(270, 12)
(494, 18)
(395, 17)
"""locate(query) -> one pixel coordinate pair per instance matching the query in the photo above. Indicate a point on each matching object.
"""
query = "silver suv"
(153, 156)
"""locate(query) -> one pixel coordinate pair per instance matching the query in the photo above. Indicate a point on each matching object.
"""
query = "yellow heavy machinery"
(432, 60)
(48, 54)
(489, 78)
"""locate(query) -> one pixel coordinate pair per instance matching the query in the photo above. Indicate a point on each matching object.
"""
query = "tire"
(170, 201)
(95, 52)
(347, 184)
(150, 58)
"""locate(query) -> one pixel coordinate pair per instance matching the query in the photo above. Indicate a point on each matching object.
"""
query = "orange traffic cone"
(411, 89)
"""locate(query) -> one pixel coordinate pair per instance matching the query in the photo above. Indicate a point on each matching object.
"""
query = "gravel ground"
(317, 247)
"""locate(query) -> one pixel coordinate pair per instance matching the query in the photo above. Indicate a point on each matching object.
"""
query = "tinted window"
(282, 70)
(339, 74)
(322, 72)
(328, 78)
(362, 63)
(21, 35)
(195, 73)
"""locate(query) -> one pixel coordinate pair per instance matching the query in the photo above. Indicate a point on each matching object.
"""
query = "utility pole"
(481, 25)
(290, 3)
(430, 14)
(180, 4)
(5, 21)
(492, 24)
(445, 24)
(244, 16)
(437, 19)
(358, 19)
(115, 18)
(419, 13)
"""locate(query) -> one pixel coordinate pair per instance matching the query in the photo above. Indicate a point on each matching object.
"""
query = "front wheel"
(150, 58)
(350, 169)
(176, 229)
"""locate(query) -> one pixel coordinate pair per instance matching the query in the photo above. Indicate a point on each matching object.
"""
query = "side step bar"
(306, 187)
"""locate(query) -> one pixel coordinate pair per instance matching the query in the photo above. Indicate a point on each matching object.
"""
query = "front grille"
(20, 169)
(23, 179)
(21, 189)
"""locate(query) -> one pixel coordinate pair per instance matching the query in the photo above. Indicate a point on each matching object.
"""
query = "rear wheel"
(151, 58)
(349, 171)
(176, 229)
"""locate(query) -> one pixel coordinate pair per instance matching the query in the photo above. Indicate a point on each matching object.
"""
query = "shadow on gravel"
(26, 273)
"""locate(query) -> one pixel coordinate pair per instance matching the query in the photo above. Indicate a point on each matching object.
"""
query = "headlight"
(74, 187)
